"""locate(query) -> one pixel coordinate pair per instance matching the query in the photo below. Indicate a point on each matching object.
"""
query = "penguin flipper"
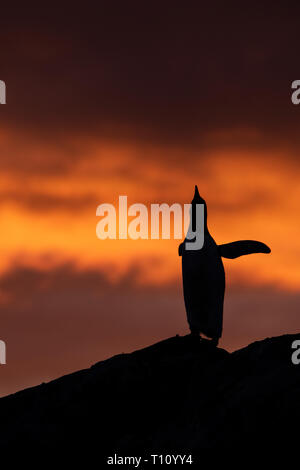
(242, 247)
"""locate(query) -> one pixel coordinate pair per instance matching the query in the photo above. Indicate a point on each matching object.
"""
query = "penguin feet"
(214, 342)
(195, 332)
(196, 338)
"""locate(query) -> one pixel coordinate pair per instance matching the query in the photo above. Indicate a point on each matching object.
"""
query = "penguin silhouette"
(203, 276)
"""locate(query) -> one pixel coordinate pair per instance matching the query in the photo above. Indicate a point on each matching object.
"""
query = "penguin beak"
(196, 194)
(197, 199)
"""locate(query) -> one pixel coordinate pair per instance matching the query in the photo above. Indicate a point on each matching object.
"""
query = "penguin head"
(197, 199)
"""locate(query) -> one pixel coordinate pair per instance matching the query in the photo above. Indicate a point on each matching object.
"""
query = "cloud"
(62, 319)
(41, 202)
(161, 75)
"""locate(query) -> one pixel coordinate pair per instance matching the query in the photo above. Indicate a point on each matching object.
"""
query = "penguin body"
(203, 277)
(203, 288)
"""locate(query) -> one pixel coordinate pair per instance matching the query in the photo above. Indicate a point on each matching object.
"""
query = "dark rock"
(180, 395)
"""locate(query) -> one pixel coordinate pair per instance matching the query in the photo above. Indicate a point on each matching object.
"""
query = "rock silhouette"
(179, 395)
(203, 276)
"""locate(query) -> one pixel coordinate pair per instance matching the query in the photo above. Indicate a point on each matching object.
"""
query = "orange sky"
(145, 103)
(51, 219)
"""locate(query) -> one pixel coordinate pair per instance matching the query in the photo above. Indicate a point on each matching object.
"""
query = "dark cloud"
(37, 201)
(159, 73)
(40, 202)
(64, 319)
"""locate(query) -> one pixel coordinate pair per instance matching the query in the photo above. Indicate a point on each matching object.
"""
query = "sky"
(142, 100)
